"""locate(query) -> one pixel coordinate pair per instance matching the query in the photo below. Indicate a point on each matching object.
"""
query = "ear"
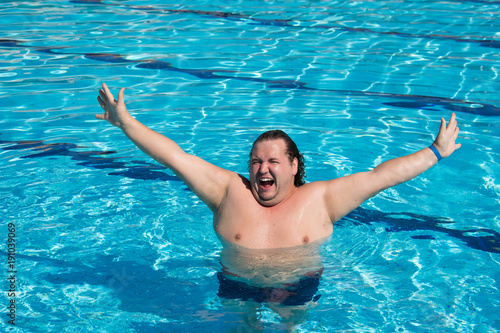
(295, 165)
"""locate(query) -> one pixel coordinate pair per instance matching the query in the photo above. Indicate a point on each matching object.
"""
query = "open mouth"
(266, 182)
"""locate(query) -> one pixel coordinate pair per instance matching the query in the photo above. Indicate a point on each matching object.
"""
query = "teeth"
(266, 179)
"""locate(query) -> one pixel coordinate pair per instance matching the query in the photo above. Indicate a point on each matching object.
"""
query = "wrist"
(127, 122)
(436, 152)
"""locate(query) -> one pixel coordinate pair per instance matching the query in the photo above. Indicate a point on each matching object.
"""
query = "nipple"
(237, 236)
(305, 239)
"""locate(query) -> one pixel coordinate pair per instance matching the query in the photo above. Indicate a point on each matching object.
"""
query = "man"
(274, 209)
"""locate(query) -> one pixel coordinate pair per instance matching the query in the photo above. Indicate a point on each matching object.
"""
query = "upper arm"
(342, 195)
(207, 181)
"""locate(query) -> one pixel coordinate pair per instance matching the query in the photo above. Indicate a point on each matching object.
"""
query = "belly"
(270, 267)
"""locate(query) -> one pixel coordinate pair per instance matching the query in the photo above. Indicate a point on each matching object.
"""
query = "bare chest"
(298, 221)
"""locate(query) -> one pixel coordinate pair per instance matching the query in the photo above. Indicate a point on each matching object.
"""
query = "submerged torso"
(271, 267)
(299, 220)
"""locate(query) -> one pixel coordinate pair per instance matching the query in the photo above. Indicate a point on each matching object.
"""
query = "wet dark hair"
(291, 150)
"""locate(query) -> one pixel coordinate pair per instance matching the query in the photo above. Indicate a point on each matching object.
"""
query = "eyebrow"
(272, 159)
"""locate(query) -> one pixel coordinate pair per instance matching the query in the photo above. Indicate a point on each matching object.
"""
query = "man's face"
(271, 173)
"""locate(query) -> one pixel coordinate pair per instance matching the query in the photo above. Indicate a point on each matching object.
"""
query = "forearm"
(402, 169)
(344, 194)
(154, 144)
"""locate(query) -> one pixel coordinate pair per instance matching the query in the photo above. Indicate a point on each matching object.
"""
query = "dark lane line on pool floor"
(293, 23)
(417, 102)
(90, 159)
(483, 239)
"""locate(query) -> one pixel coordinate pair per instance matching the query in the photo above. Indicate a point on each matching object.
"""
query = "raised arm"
(342, 195)
(207, 181)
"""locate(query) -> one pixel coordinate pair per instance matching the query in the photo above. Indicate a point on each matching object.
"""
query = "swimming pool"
(109, 241)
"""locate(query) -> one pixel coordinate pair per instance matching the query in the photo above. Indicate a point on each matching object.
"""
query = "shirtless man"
(272, 210)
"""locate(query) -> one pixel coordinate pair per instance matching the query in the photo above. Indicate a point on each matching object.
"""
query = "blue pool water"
(109, 241)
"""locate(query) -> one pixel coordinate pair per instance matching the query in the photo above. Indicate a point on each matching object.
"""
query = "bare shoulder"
(238, 186)
(314, 187)
(235, 179)
(237, 196)
(314, 190)
(323, 186)
(343, 194)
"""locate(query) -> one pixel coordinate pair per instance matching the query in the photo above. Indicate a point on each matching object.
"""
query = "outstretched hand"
(115, 111)
(445, 141)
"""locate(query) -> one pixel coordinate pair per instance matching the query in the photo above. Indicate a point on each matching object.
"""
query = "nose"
(263, 168)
